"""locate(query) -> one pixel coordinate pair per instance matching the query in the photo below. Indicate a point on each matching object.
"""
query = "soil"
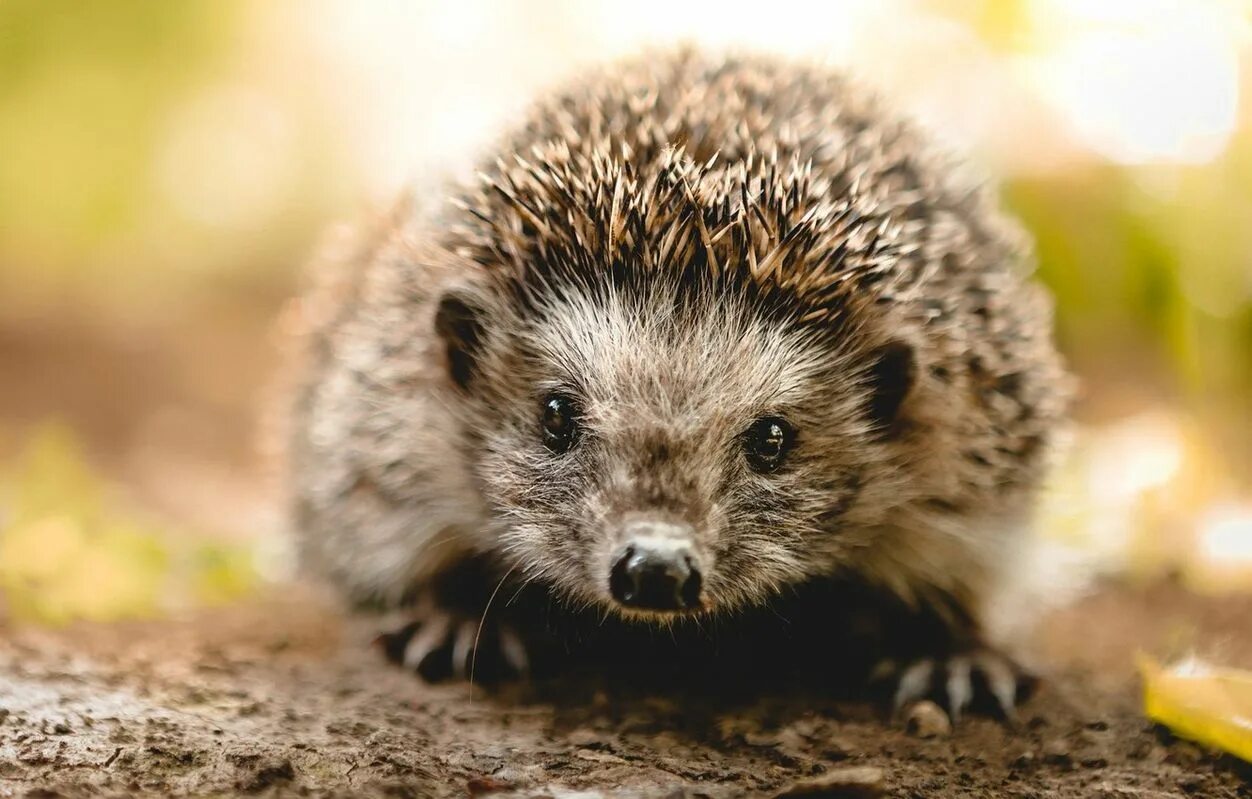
(284, 697)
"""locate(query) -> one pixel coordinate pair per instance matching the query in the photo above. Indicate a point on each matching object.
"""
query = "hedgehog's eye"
(767, 442)
(560, 422)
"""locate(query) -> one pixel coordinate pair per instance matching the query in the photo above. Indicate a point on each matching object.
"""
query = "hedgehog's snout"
(657, 567)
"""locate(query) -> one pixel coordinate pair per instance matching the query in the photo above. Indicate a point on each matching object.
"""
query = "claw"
(957, 681)
(394, 643)
(959, 687)
(914, 683)
(463, 647)
(428, 637)
(1001, 682)
(514, 650)
(442, 646)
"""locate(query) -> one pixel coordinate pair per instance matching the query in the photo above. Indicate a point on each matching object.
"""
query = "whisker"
(478, 633)
(527, 581)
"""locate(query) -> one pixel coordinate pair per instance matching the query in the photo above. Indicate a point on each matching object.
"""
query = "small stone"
(925, 719)
(1056, 753)
(858, 782)
(1024, 761)
(261, 773)
(1193, 783)
(1184, 753)
(837, 749)
(1141, 749)
(598, 757)
(486, 784)
(585, 736)
(760, 738)
(806, 727)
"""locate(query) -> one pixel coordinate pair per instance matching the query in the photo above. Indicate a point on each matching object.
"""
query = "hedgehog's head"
(658, 453)
(663, 422)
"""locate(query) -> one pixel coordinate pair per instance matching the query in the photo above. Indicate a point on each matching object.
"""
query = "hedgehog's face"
(660, 457)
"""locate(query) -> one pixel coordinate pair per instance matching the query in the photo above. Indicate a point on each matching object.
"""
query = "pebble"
(857, 782)
(1056, 753)
(486, 784)
(925, 719)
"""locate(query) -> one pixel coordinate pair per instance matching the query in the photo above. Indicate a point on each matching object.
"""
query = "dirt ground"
(283, 697)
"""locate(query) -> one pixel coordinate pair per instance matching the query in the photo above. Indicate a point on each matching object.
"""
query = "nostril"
(689, 592)
(623, 579)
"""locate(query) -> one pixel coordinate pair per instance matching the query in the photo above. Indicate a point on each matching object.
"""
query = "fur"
(685, 244)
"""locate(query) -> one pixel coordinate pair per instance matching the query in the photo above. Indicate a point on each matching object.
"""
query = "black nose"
(656, 579)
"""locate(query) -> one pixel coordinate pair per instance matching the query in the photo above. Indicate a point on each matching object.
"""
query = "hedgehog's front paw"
(982, 679)
(443, 645)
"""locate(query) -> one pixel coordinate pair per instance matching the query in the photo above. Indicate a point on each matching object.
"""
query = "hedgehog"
(716, 363)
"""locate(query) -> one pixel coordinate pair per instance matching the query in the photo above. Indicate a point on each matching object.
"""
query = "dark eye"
(560, 422)
(767, 443)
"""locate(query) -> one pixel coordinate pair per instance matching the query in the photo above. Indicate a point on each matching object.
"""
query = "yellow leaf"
(1209, 705)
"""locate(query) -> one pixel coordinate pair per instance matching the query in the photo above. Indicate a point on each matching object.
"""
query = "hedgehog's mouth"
(661, 618)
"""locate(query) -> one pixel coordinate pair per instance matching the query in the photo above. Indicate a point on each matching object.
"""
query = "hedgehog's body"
(707, 338)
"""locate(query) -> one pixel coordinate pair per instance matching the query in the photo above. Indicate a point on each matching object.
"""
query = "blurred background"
(166, 168)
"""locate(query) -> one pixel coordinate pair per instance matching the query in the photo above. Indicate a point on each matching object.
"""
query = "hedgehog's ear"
(458, 321)
(891, 378)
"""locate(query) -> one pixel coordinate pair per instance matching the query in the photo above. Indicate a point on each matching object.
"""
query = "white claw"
(959, 687)
(429, 635)
(1000, 681)
(462, 645)
(514, 650)
(914, 683)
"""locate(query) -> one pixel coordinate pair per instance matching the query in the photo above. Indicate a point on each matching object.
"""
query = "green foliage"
(85, 90)
(67, 551)
(1160, 277)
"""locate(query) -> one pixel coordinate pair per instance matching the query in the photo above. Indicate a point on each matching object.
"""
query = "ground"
(284, 696)
(281, 695)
